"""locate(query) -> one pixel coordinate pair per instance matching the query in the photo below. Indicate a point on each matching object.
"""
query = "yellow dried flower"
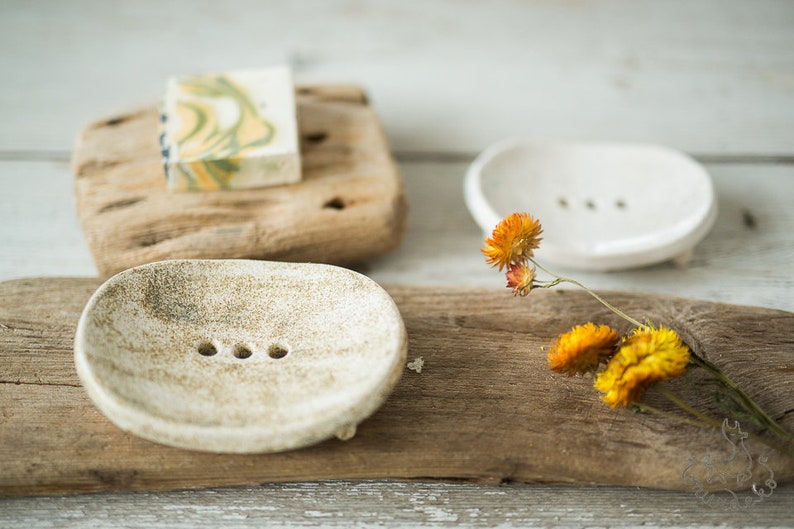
(520, 278)
(512, 241)
(649, 355)
(583, 348)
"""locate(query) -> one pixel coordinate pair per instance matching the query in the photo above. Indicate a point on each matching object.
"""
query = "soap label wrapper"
(233, 130)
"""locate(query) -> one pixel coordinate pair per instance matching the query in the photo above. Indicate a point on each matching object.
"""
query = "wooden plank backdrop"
(711, 77)
(705, 76)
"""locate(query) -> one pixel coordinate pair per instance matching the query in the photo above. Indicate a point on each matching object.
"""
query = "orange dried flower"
(583, 348)
(520, 278)
(649, 355)
(512, 241)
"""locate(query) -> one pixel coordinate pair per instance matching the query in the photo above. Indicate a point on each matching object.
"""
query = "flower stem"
(741, 398)
(560, 279)
(744, 400)
(672, 397)
(666, 414)
(704, 419)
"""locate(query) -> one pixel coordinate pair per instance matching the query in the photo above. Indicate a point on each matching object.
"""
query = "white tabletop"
(714, 79)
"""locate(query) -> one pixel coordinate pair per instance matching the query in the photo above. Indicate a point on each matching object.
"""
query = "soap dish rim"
(675, 248)
(129, 418)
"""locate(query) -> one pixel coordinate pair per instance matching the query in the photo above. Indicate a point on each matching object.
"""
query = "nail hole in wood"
(590, 204)
(335, 203)
(316, 137)
(242, 351)
(562, 202)
(277, 351)
(620, 203)
(748, 219)
(207, 349)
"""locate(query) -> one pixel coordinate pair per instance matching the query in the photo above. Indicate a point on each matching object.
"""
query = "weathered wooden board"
(484, 408)
(349, 207)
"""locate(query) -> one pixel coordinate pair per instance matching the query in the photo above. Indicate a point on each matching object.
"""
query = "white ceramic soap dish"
(603, 206)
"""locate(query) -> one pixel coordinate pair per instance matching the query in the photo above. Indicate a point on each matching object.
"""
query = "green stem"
(748, 403)
(672, 397)
(709, 421)
(560, 279)
(668, 415)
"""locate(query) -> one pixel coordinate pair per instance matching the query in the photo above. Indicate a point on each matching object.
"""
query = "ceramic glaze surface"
(602, 206)
(239, 356)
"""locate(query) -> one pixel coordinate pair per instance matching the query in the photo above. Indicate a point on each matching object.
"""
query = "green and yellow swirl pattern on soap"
(211, 146)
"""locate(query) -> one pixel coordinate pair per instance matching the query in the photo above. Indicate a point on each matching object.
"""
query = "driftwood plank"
(348, 208)
(484, 408)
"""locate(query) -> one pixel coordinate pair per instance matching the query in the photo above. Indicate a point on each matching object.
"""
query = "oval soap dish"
(603, 206)
(239, 356)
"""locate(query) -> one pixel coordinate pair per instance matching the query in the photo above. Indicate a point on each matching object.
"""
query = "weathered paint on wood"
(710, 76)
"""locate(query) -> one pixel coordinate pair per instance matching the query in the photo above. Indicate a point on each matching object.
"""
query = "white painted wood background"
(713, 78)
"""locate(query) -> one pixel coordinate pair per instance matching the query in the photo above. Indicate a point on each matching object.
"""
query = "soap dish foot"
(683, 259)
(346, 433)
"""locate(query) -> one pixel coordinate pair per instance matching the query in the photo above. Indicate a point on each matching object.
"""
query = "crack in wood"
(447, 156)
(52, 384)
(89, 167)
(430, 156)
(35, 155)
(12, 328)
(120, 204)
(114, 478)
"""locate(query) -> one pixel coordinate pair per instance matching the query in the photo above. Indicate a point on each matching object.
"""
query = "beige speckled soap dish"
(239, 356)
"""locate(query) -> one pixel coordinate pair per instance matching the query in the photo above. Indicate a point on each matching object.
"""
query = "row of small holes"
(590, 203)
(242, 351)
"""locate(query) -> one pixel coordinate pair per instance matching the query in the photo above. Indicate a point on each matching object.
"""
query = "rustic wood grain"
(375, 504)
(484, 408)
(349, 206)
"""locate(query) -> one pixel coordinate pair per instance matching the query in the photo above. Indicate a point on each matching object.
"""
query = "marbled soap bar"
(233, 130)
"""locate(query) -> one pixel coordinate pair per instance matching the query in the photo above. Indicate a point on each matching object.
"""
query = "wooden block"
(484, 408)
(348, 208)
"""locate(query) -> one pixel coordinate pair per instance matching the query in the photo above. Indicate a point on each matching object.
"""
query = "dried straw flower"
(649, 355)
(520, 277)
(583, 348)
(512, 241)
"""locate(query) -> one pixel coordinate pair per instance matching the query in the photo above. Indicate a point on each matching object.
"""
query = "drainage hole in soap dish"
(241, 351)
(591, 204)
(207, 349)
(277, 351)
